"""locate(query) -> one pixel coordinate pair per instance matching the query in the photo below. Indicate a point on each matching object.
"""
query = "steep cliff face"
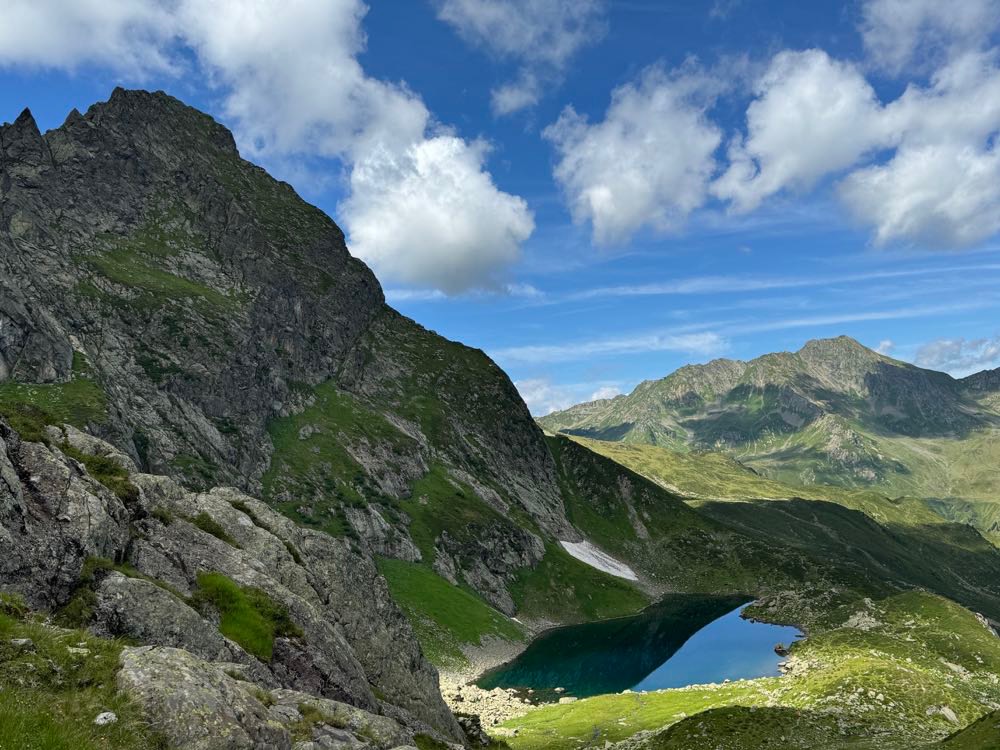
(196, 313)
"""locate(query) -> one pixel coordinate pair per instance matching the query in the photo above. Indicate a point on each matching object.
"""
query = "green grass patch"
(50, 695)
(426, 742)
(31, 407)
(162, 515)
(717, 476)
(445, 617)
(13, 605)
(210, 526)
(157, 286)
(249, 616)
(196, 471)
(983, 734)
(437, 503)
(311, 461)
(107, 471)
(140, 261)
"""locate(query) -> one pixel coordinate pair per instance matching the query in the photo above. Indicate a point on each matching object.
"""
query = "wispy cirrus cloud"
(743, 283)
(517, 290)
(839, 319)
(712, 338)
(703, 343)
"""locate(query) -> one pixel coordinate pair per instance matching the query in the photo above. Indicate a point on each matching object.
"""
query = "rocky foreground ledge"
(252, 632)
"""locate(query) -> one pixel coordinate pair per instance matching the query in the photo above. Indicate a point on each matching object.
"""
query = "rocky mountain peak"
(156, 113)
(201, 317)
(838, 346)
(24, 125)
(985, 381)
(21, 143)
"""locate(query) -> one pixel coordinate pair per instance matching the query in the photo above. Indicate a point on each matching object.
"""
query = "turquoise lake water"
(682, 640)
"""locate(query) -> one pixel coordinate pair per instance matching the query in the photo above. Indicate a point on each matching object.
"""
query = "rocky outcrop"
(198, 705)
(132, 569)
(490, 559)
(143, 612)
(53, 516)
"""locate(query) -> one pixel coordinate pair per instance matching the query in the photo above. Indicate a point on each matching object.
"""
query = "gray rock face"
(142, 611)
(490, 559)
(199, 706)
(52, 517)
(354, 643)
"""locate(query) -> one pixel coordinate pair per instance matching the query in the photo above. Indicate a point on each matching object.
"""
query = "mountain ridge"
(834, 407)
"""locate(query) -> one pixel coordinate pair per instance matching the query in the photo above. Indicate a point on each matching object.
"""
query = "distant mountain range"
(834, 412)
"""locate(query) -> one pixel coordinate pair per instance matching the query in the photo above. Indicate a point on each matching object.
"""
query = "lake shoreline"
(462, 695)
(504, 680)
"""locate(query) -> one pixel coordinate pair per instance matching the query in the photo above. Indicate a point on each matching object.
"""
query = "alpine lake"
(684, 639)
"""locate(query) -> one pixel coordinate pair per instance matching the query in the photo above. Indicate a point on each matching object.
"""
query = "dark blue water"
(682, 640)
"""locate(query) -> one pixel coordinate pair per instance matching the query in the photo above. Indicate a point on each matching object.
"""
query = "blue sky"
(596, 192)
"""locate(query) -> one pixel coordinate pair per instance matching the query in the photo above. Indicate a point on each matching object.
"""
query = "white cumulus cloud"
(939, 195)
(128, 36)
(542, 36)
(413, 215)
(646, 164)
(922, 169)
(812, 115)
(898, 32)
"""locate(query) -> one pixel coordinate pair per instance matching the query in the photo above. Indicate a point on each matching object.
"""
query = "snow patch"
(588, 553)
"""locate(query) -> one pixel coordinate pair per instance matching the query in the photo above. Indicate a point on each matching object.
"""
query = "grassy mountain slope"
(878, 539)
(712, 475)
(162, 293)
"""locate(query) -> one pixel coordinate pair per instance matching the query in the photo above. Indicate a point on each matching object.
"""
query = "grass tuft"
(210, 526)
(50, 695)
(249, 616)
(107, 471)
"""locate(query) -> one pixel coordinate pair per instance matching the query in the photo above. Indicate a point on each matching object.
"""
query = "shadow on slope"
(948, 559)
